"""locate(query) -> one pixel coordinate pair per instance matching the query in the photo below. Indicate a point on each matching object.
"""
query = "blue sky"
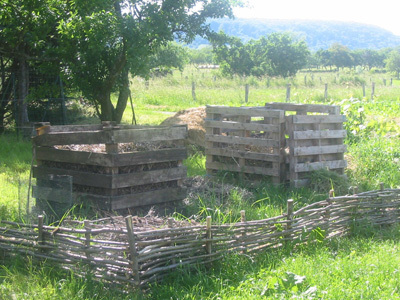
(382, 13)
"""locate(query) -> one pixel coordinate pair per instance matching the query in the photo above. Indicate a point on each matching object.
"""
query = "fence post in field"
(288, 92)
(384, 81)
(363, 89)
(243, 219)
(289, 217)
(326, 92)
(382, 186)
(373, 91)
(194, 90)
(246, 93)
(391, 81)
(305, 79)
(40, 232)
(355, 190)
(132, 250)
(328, 212)
(171, 225)
(86, 225)
(208, 235)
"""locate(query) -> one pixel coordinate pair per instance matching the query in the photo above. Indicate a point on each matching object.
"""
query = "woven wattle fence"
(124, 252)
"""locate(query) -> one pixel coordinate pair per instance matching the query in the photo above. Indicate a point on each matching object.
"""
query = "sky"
(382, 13)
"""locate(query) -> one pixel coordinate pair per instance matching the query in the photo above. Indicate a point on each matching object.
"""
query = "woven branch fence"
(124, 252)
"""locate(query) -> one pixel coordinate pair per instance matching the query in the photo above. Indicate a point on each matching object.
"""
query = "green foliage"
(393, 62)
(322, 181)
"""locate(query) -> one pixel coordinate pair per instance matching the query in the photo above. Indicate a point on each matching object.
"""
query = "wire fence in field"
(133, 251)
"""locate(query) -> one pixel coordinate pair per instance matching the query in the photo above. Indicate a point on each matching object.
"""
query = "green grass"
(363, 266)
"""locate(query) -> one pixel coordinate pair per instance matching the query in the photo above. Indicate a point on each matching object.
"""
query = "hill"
(317, 34)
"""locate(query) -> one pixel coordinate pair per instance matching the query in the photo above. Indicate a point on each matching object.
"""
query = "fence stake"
(40, 229)
(326, 92)
(373, 91)
(132, 250)
(382, 186)
(363, 88)
(208, 235)
(86, 224)
(288, 92)
(328, 212)
(246, 93)
(243, 219)
(289, 216)
(194, 90)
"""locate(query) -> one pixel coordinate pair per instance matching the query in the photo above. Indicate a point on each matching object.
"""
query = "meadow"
(362, 265)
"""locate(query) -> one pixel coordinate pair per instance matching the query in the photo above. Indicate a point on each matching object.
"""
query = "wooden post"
(328, 212)
(382, 186)
(288, 92)
(384, 81)
(373, 91)
(391, 81)
(132, 250)
(40, 232)
(289, 217)
(355, 190)
(246, 93)
(86, 224)
(326, 92)
(363, 88)
(194, 90)
(243, 219)
(208, 235)
(305, 79)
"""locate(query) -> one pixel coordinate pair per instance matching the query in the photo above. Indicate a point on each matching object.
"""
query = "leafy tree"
(201, 56)
(168, 57)
(340, 56)
(393, 62)
(105, 40)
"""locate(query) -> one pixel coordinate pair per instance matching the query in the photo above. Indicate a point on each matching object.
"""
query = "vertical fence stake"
(326, 92)
(289, 217)
(243, 219)
(171, 225)
(246, 93)
(40, 229)
(86, 224)
(132, 250)
(288, 92)
(363, 89)
(194, 90)
(208, 235)
(373, 91)
(355, 190)
(382, 186)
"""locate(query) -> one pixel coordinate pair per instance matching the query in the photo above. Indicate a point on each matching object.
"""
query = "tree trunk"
(107, 109)
(123, 96)
(23, 88)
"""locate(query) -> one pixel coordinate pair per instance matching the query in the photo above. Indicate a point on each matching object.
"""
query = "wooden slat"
(51, 194)
(110, 160)
(72, 128)
(298, 151)
(242, 140)
(242, 126)
(150, 135)
(244, 154)
(334, 164)
(245, 111)
(68, 138)
(317, 108)
(317, 134)
(148, 177)
(245, 169)
(298, 119)
(148, 198)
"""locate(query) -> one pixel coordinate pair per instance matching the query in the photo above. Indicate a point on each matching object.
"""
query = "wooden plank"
(82, 178)
(75, 138)
(242, 140)
(316, 150)
(148, 177)
(76, 157)
(319, 134)
(110, 160)
(148, 198)
(316, 108)
(245, 169)
(245, 111)
(72, 128)
(334, 164)
(298, 119)
(150, 135)
(242, 126)
(244, 154)
(97, 201)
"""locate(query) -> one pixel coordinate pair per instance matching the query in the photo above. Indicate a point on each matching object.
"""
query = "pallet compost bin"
(280, 141)
(112, 167)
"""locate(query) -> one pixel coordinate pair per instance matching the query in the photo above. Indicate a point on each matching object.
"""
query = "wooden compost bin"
(315, 139)
(113, 167)
(247, 140)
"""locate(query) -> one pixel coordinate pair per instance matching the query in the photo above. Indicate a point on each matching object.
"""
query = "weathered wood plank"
(299, 119)
(148, 198)
(73, 128)
(51, 194)
(148, 177)
(244, 154)
(75, 138)
(316, 134)
(242, 126)
(246, 111)
(244, 169)
(110, 160)
(333, 164)
(316, 108)
(150, 135)
(242, 140)
(298, 151)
